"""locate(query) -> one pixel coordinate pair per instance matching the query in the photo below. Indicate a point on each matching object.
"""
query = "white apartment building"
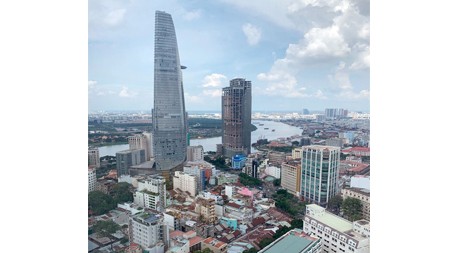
(149, 231)
(142, 141)
(202, 170)
(363, 195)
(273, 171)
(92, 179)
(194, 153)
(290, 178)
(338, 235)
(93, 157)
(151, 193)
(185, 182)
(230, 190)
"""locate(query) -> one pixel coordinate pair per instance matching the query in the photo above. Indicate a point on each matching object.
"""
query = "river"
(209, 144)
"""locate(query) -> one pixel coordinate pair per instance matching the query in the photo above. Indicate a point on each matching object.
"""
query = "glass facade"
(319, 177)
(168, 115)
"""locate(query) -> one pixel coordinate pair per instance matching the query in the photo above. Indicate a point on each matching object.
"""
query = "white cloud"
(320, 43)
(114, 17)
(319, 94)
(213, 93)
(362, 59)
(343, 36)
(91, 83)
(342, 78)
(126, 93)
(192, 98)
(191, 15)
(352, 95)
(213, 80)
(252, 33)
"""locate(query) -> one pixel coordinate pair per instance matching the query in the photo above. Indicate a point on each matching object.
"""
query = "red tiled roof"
(233, 205)
(208, 240)
(190, 232)
(219, 244)
(175, 233)
(195, 240)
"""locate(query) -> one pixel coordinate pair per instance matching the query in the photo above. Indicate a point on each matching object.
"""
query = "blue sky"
(298, 54)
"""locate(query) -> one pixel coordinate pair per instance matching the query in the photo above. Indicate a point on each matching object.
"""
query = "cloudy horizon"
(310, 54)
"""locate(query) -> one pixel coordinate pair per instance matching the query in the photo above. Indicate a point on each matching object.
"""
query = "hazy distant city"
(202, 169)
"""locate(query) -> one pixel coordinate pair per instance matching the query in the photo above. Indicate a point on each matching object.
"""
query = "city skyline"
(297, 56)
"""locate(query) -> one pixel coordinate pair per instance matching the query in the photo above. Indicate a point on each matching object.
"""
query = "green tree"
(334, 204)
(277, 182)
(352, 208)
(252, 250)
(248, 180)
(206, 250)
(100, 203)
(264, 242)
(121, 192)
(297, 223)
(106, 229)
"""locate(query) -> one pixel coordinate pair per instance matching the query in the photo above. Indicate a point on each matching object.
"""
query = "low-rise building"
(227, 178)
(294, 241)
(206, 209)
(151, 193)
(214, 245)
(149, 231)
(105, 185)
(360, 181)
(337, 234)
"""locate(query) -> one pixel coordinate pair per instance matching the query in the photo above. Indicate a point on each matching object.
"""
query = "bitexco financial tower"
(169, 117)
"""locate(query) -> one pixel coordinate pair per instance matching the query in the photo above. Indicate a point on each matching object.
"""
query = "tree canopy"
(289, 203)
(352, 208)
(106, 228)
(334, 204)
(121, 192)
(100, 203)
(248, 180)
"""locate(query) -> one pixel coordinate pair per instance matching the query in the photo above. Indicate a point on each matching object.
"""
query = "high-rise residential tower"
(319, 177)
(236, 116)
(169, 118)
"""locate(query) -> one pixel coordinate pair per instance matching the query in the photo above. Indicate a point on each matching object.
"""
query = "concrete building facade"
(290, 178)
(195, 153)
(320, 173)
(151, 193)
(93, 157)
(149, 231)
(206, 208)
(336, 233)
(185, 182)
(169, 119)
(142, 141)
(236, 116)
(92, 179)
(127, 158)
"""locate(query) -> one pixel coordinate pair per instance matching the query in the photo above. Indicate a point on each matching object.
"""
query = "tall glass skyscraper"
(236, 117)
(320, 171)
(169, 118)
